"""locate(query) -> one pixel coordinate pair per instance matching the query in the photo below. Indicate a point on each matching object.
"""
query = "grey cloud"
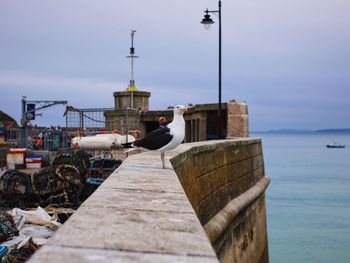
(276, 54)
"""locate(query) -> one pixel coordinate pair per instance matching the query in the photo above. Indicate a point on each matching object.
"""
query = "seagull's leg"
(163, 160)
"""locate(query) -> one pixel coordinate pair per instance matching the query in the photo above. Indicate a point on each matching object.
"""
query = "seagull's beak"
(183, 110)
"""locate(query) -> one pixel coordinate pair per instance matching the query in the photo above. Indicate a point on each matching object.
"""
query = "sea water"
(308, 199)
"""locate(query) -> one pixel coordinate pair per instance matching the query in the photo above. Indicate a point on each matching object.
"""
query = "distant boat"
(335, 145)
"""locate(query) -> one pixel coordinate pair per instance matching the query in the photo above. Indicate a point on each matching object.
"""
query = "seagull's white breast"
(177, 130)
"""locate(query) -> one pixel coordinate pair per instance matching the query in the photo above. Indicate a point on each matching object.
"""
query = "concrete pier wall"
(225, 183)
(208, 206)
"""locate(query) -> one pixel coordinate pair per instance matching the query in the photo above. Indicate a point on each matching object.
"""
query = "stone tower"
(131, 99)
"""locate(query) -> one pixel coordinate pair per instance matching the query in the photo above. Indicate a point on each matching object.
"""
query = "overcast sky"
(290, 60)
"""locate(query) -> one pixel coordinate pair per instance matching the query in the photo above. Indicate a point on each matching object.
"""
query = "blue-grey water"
(308, 199)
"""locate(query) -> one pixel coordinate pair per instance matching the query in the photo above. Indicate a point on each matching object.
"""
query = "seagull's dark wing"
(155, 139)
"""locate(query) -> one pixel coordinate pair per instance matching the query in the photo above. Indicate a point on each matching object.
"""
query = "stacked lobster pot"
(70, 179)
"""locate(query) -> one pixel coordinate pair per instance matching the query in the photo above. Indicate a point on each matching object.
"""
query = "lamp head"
(207, 21)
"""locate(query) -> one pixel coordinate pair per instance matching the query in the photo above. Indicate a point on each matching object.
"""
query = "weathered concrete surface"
(139, 214)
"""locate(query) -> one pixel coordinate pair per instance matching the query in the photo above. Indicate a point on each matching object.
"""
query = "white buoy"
(101, 141)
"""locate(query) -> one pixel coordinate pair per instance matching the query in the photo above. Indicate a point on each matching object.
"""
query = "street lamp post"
(207, 21)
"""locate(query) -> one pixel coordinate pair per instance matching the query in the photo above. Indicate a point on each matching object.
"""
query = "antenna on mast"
(132, 55)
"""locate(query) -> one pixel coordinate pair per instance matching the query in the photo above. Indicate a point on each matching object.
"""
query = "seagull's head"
(179, 109)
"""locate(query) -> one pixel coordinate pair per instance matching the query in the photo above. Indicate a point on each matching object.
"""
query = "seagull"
(166, 137)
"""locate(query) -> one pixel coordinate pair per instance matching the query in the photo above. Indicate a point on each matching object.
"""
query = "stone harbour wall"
(208, 206)
(225, 183)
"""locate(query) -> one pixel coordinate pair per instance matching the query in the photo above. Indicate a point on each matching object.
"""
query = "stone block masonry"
(225, 182)
(237, 119)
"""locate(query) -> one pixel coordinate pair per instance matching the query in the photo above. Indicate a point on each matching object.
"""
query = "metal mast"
(132, 55)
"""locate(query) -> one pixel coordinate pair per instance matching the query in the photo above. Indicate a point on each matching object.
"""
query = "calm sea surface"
(308, 199)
